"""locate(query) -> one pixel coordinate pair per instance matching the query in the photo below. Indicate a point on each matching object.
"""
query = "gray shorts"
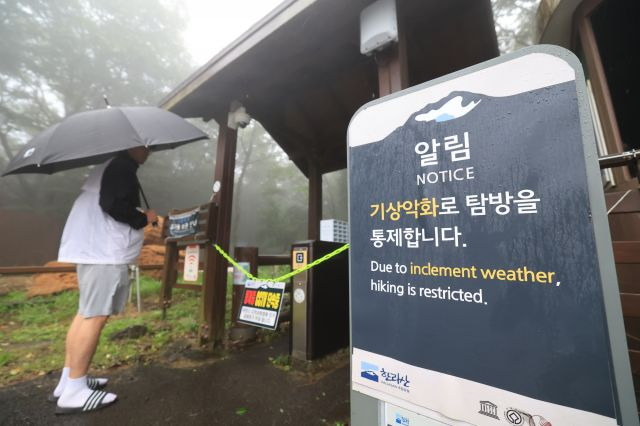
(103, 289)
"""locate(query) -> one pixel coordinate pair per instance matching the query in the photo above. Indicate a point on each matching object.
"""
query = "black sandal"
(93, 403)
(92, 383)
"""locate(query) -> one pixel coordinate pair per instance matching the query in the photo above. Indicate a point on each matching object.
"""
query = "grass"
(32, 331)
(273, 271)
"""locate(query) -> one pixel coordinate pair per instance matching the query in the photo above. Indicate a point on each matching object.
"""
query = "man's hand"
(152, 217)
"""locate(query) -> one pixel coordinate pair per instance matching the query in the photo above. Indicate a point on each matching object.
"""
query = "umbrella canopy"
(92, 137)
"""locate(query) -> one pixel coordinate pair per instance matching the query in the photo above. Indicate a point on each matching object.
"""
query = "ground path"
(243, 389)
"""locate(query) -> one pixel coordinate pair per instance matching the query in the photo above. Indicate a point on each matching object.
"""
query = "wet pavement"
(245, 388)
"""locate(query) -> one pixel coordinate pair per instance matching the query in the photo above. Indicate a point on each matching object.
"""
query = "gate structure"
(202, 235)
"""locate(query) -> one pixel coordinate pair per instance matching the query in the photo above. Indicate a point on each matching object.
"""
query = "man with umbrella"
(103, 233)
(103, 236)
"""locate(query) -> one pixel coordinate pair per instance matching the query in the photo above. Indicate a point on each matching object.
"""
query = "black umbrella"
(93, 137)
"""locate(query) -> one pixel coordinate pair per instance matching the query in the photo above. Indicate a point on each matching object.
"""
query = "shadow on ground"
(243, 389)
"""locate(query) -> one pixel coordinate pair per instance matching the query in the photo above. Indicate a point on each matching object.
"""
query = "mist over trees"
(515, 22)
(58, 58)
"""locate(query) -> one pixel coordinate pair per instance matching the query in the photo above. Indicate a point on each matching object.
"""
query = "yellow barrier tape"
(285, 276)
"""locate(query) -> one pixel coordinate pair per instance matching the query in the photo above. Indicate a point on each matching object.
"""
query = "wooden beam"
(215, 285)
(630, 202)
(598, 78)
(630, 305)
(315, 200)
(393, 71)
(626, 251)
(634, 359)
(29, 270)
(274, 259)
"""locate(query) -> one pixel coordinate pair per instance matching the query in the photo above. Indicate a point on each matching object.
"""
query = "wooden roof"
(300, 73)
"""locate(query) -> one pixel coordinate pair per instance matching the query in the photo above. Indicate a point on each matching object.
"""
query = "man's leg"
(73, 330)
(101, 288)
(93, 382)
(82, 341)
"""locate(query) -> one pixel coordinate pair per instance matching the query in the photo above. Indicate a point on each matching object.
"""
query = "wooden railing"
(29, 270)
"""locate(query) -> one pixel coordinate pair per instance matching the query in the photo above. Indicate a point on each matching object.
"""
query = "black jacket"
(119, 191)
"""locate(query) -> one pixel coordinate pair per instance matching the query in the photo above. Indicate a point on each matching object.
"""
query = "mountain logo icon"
(452, 109)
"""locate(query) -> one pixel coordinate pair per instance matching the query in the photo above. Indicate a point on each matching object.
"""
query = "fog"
(59, 58)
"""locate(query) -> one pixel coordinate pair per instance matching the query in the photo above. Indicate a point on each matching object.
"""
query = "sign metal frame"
(366, 410)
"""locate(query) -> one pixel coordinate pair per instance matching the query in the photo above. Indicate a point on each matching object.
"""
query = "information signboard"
(482, 281)
(183, 224)
(261, 303)
(191, 263)
(239, 278)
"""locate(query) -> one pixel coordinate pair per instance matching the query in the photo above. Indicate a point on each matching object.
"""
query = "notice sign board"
(481, 274)
(183, 224)
(261, 303)
(191, 263)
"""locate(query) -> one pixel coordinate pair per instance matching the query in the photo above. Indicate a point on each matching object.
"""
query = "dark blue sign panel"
(183, 224)
(475, 279)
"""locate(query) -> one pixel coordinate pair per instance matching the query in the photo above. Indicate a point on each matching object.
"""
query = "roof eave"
(287, 10)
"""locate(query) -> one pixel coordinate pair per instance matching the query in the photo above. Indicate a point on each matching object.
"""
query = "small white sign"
(239, 278)
(298, 295)
(191, 262)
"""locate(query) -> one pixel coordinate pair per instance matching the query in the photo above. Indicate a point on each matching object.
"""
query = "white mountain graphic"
(450, 110)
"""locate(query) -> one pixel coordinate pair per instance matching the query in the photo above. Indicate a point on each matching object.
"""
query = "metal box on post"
(320, 301)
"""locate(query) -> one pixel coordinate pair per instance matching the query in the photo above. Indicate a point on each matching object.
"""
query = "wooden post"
(239, 331)
(169, 275)
(215, 285)
(393, 71)
(600, 89)
(315, 201)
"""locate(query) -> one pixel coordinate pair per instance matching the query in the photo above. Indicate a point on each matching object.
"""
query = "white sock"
(63, 381)
(76, 393)
(64, 376)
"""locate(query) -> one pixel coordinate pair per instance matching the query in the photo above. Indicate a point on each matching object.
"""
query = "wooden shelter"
(300, 73)
(603, 35)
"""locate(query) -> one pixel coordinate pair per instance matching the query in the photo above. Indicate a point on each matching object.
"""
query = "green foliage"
(270, 194)
(515, 22)
(273, 271)
(32, 331)
(12, 300)
(5, 358)
(282, 361)
(59, 58)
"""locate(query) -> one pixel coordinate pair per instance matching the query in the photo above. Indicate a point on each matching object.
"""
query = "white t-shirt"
(91, 236)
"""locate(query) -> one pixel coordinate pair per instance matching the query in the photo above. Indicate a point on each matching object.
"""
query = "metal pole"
(621, 159)
(138, 286)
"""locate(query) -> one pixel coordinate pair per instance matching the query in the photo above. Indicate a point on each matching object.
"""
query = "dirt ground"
(241, 388)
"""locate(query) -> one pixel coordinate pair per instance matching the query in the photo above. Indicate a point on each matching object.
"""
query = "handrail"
(274, 259)
(621, 159)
